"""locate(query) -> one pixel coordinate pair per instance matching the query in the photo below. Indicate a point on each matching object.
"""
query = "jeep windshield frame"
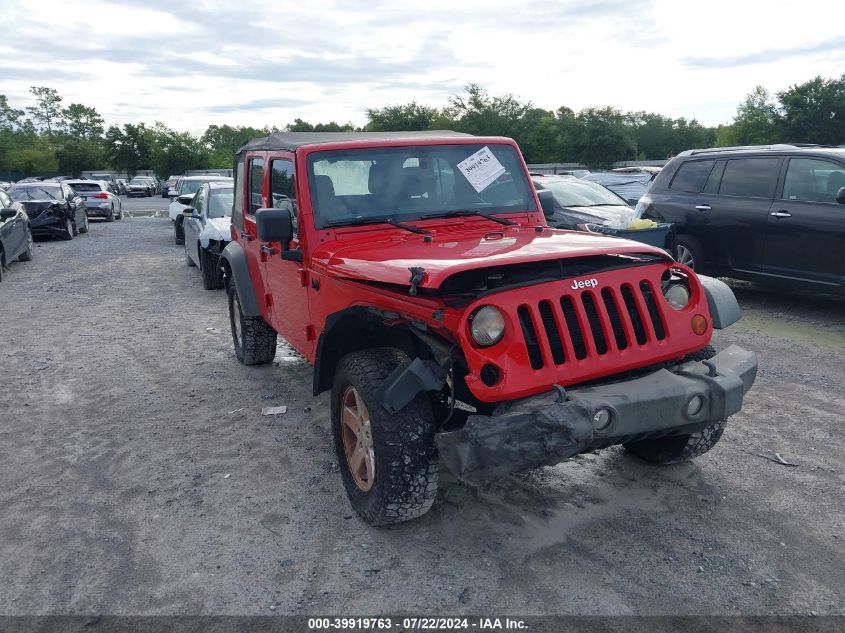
(364, 185)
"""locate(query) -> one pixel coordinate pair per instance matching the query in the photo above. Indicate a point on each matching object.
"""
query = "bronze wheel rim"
(357, 439)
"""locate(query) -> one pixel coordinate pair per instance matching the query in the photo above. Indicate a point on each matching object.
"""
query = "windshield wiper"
(457, 214)
(391, 222)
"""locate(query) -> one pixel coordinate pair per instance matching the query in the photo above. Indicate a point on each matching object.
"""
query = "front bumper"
(98, 210)
(546, 429)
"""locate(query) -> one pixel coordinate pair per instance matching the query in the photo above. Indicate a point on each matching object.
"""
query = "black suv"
(773, 213)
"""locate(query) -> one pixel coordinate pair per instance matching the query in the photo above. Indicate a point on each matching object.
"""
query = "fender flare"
(235, 257)
(724, 308)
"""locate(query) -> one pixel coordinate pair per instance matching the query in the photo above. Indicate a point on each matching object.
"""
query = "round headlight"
(677, 295)
(487, 325)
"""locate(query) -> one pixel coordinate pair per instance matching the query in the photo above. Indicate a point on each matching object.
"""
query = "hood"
(374, 256)
(217, 229)
(615, 215)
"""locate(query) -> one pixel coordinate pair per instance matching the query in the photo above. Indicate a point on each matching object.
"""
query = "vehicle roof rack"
(749, 148)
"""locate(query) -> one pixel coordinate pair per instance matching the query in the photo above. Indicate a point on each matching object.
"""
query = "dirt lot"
(138, 476)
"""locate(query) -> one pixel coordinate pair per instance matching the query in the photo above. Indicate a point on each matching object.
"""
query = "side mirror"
(840, 195)
(6, 214)
(547, 201)
(276, 225)
(186, 199)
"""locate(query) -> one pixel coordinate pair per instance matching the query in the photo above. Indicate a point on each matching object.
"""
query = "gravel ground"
(138, 476)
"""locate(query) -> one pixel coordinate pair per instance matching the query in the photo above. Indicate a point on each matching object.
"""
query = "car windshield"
(191, 186)
(33, 193)
(581, 193)
(406, 183)
(220, 203)
(139, 181)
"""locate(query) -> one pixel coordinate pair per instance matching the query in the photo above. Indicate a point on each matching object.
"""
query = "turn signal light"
(699, 324)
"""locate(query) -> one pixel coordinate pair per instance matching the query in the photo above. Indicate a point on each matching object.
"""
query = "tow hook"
(417, 275)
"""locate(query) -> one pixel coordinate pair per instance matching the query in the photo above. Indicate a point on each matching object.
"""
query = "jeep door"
(249, 198)
(805, 232)
(734, 210)
(286, 279)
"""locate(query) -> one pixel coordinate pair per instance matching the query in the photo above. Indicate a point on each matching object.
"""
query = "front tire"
(688, 251)
(212, 275)
(84, 227)
(678, 448)
(388, 462)
(253, 338)
(179, 232)
(70, 230)
(26, 256)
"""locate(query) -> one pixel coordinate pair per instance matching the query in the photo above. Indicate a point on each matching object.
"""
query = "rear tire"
(188, 259)
(179, 232)
(84, 227)
(110, 216)
(389, 464)
(212, 275)
(70, 230)
(253, 338)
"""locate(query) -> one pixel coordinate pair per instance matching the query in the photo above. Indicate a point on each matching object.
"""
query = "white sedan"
(207, 224)
(188, 186)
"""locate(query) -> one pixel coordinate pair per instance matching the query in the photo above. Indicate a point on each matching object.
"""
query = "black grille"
(605, 317)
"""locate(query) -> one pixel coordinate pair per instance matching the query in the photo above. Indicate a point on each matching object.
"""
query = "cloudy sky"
(245, 62)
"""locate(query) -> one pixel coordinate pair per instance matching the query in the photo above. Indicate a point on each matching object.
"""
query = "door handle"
(268, 249)
(780, 214)
(703, 207)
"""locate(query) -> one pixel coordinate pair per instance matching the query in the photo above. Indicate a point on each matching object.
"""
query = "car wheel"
(678, 448)
(179, 232)
(388, 462)
(26, 256)
(188, 259)
(110, 216)
(212, 275)
(688, 252)
(84, 227)
(253, 338)
(120, 213)
(69, 229)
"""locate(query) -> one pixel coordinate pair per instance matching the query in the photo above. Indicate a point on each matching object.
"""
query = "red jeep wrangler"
(416, 272)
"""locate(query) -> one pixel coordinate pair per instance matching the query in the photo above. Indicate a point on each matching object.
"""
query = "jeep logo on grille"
(587, 283)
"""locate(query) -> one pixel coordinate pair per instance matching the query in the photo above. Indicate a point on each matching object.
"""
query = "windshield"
(139, 181)
(581, 193)
(33, 193)
(406, 183)
(220, 203)
(192, 186)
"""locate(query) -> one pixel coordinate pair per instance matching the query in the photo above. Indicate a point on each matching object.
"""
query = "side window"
(283, 189)
(750, 177)
(256, 178)
(199, 201)
(691, 176)
(5, 200)
(813, 180)
(238, 206)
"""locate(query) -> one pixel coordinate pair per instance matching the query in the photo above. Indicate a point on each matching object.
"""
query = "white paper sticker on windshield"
(481, 169)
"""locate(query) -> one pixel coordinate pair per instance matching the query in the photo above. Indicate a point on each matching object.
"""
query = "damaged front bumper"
(546, 429)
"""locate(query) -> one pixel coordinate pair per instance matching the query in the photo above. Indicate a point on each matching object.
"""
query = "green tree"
(479, 113)
(814, 112)
(599, 137)
(299, 125)
(75, 155)
(47, 111)
(224, 141)
(82, 122)
(176, 152)
(409, 116)
(129, 149)
(756, 121)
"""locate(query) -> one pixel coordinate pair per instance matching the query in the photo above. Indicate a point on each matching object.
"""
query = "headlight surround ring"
(487, 326)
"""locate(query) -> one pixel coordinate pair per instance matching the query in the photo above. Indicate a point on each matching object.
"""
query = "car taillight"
(102, 195)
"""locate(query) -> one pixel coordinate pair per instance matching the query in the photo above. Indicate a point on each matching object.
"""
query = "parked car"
(4, 184)
(208, 229)
(140, 187)
(768, 213)
(169, 184)
(188, 185)
(101, 200)
(109, 178)
(31, 179)
(580, 202)
(53, 208)
(122, 186)
(629, 183)
(450, 324)
(15, 233)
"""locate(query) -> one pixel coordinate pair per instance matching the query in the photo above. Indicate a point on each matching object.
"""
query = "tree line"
(51, 137)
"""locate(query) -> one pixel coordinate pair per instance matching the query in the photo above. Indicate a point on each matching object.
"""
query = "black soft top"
(289, 141)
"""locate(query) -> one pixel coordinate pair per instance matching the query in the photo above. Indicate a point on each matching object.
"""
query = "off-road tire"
(212, 275)
(179, 233)
(705, 353)
(26, 256)
(678, 448)
(405, 455)
(257, 342)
